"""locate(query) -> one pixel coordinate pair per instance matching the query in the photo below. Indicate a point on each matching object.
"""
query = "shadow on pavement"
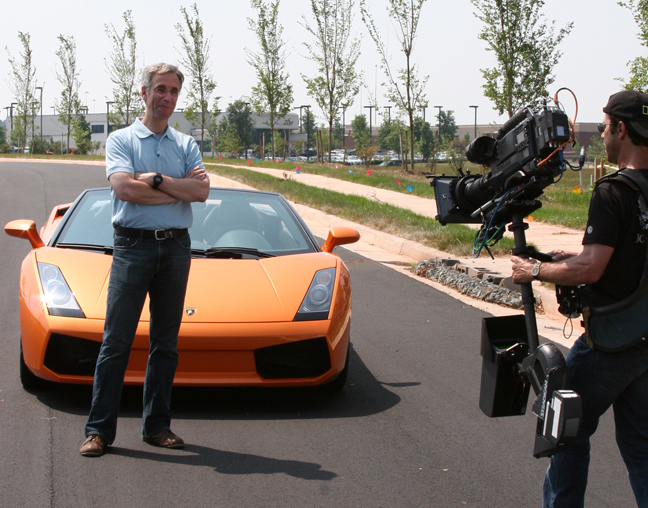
(232, 463)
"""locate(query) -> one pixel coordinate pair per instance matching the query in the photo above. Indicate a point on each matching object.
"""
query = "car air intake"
(301, 359)
(71, 356)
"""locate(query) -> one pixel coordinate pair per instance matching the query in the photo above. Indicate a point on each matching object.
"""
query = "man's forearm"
(185, 189)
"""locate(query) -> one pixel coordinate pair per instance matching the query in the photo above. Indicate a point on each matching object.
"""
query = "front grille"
(71, 356)
(302, 359)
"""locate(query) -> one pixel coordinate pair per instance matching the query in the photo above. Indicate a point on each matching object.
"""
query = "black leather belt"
(157, 234)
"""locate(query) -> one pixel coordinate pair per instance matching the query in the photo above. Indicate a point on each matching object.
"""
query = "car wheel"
(338, 383)
(27, 378)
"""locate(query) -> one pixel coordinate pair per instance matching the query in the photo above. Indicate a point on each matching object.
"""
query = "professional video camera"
(524, 159)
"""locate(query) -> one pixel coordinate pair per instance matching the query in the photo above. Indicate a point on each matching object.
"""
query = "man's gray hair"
(159, 68)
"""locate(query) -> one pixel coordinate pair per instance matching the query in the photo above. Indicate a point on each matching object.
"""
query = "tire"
(27, 378)
(338, 383)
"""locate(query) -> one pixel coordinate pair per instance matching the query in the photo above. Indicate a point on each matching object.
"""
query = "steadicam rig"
(524, 158)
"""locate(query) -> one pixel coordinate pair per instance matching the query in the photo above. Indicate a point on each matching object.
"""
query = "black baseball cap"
(631, 107)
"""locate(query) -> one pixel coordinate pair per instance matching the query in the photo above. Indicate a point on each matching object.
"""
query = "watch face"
(157, 180)
(535, 271)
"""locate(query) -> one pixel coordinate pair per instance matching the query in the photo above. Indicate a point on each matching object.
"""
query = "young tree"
(447, 127)
(272, 94)
(239, 117)
(69, 104)
(525, 48)
(638, 66)
(196, 62)
(82, 135)
(360, 132)
(335, 55)
(23, 86)
(405, 89)
(309, 128)
(122, 69)
(425, 142)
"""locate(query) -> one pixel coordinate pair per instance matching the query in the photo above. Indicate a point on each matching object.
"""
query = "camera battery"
(562, 418)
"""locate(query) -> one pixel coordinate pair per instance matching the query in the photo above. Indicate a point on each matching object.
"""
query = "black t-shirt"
(615, 220)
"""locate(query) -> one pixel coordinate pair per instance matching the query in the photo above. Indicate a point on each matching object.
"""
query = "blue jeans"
(602, 380)
(159, 268)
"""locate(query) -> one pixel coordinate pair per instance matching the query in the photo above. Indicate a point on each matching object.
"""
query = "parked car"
(265, 304)
(392, 162)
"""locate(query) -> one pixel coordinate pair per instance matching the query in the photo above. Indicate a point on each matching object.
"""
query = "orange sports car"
(265, 305)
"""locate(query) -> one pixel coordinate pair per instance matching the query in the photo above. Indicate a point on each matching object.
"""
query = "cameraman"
(611, 264)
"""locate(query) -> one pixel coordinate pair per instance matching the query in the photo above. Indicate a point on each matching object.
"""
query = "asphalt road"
(405, 432)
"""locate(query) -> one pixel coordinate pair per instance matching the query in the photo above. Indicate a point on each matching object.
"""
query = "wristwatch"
(157, 180)
(536, 271)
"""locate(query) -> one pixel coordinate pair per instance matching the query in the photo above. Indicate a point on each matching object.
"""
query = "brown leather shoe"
(93, 446)
(165, 439)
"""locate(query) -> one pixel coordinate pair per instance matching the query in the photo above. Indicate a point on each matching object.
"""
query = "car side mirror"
(25, 229)
(340, 236)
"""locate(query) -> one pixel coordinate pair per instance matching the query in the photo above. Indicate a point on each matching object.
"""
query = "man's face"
(610, 140)
(162, 97)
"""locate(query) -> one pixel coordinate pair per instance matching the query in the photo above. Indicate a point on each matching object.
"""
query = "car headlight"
(58, 297)
(317, 302)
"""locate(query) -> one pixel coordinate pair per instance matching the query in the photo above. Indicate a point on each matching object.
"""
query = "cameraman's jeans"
(141, 266)
(602, 380)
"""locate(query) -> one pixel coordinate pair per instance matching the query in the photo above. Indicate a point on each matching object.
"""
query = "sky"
(595, 54)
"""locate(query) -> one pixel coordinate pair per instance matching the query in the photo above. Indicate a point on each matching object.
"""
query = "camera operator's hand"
(522, 269)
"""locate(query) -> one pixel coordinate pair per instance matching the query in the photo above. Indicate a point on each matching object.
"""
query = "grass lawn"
(454, 239)
(561, 205)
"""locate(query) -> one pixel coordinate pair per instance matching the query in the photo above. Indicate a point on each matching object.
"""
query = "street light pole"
(41, 108)
(439, 119)
(475, 108)
(370, 108)
(108, 103)
(11, 113)
(388, 108)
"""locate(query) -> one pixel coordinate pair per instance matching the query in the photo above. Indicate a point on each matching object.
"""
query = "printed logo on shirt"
(589, 230)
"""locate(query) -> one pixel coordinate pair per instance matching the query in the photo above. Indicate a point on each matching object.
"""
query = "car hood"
(219, 290)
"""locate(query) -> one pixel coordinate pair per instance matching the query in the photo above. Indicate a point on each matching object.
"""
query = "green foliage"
(360, 132)
(38, 145)
(272, 94)
(638, 66)
(22, 83)
(127, 102)
(426, 140)
(69, 104)
(239, 117)
(596, 149)
(196, 63)
(82, 136)
(335, 55)
(525, 49)
(405, 88)
(309, 127)
(447, 127)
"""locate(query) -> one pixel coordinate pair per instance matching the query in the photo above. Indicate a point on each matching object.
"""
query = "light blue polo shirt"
(135, 149)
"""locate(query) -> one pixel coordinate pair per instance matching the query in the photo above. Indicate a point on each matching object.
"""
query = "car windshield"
(243, 223)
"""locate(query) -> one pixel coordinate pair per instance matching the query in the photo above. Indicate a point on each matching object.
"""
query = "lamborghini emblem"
(190, 312)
